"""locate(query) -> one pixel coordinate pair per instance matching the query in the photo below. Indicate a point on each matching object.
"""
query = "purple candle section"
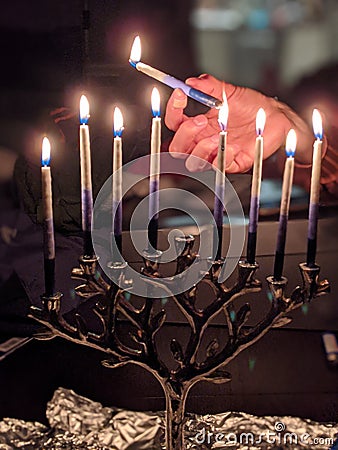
(281, 234)
(253, 214)
(313, 217)
(117, 218)
(154, 199)
(280, 247)
(87, 209)
(168, 80)
(117, 231)
(49, 243)
(219, 205)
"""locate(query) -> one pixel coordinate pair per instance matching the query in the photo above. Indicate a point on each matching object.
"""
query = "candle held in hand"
(290, 148)
(48, 225)
(201, 97)
(220, 179)
(117, 179)
(154, 178)
(86, 178)
(315, 188)
(256, 187)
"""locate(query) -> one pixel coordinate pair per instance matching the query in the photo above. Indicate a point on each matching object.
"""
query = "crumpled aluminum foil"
(79, 423)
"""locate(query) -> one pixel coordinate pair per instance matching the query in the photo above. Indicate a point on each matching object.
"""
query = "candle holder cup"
(112, 305)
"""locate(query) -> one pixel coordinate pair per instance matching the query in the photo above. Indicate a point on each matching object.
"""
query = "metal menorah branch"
(189, 369)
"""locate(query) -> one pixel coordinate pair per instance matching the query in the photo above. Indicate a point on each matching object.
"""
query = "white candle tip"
(260, 121)
(118, 122)
(291, 143)
(223, 113)
(155, 102)
(317, 124)
(45, 158)
(84, 110)
(135, 53)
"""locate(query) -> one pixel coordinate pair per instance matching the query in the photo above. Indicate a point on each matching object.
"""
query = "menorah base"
(189, 368)
(79, 423)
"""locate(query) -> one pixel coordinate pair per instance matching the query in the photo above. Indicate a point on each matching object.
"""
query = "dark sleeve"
(329, 168)
(63, 133)
(330, 160)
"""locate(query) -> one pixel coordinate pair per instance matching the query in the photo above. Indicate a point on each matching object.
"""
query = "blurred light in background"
(266, 44)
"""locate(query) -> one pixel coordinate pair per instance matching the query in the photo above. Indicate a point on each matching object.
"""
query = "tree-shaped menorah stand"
(189, 370)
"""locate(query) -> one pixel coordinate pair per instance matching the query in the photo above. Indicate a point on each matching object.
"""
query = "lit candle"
(48, 226)
(117, 178)
(86, 178)
(220, 177)
(154, 178)
(290, 148)
(256, 187)
(315, 188)
(135, 61)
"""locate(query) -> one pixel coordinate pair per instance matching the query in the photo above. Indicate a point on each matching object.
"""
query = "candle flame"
(45, 158)
(223, 113)
(135, 53)
(291, 143)
(317, 124)
(260, 121)
(155, 102)
(118, 122)
(84, 110)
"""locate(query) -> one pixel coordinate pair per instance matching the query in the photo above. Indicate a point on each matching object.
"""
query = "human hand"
(198, 136)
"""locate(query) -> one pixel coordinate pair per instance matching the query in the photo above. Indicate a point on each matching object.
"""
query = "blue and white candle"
(117, 178)
(154, 173)
(256, 187)
(315, 188)
(48, 224)
(86, 178)
(135, 61)
(290, 149)
(220, 178)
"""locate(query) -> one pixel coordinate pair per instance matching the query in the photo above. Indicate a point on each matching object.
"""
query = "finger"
(174, 110)
(230, 164)
(243, 161)
(184, 138)
(202, 154)
(232, 167)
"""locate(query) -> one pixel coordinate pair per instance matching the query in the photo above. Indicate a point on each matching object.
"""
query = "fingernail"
(180, 99)
(179, 93)
(176, 154)
(200, 120)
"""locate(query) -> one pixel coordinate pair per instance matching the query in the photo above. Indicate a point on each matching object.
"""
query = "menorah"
(112, 305)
